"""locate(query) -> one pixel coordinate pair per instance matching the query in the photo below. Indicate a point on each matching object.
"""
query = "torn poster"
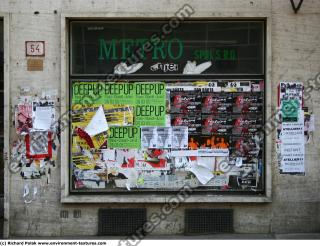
(125, 158)
(118, 115)
(152, 159)
(237, 86)
(291, 91)
(98, 123)
(23, 118)
(43, 115)
(200, 152)
(207, 162)
(203, 174)
(38, 145)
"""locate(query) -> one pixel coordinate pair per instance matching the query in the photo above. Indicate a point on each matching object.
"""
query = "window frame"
(144, 196)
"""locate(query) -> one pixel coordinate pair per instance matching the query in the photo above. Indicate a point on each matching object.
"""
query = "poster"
(291, 130)
(125, 137)
(150, 107)
(180, 137)
(23, 118)
(292, 146)
(43, 115)
(290, 100)
(86, 93)
(164, 137)
(156, 137)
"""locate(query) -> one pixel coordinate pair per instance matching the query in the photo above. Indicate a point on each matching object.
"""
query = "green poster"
(87, 93)
(124, 137)
(290, 110)
(150, 109)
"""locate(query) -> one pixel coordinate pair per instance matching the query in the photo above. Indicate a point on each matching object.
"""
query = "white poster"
(292, 146)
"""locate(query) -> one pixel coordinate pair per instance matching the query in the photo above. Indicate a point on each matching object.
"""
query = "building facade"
(63, 63)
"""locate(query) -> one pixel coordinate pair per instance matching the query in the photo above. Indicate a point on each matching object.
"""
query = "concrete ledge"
(147, 198)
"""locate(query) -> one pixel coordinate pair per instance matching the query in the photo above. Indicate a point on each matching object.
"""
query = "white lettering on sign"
(35, 48)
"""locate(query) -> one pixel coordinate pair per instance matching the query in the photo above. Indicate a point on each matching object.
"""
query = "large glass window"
(153, 111)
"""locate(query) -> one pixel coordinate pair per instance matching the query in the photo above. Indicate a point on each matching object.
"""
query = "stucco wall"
(294, 55)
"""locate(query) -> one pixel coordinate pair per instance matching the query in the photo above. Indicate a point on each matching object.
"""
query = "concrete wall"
(295, 55)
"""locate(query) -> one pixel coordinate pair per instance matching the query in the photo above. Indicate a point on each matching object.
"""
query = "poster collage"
(295, 129)
(34, 152)
(164, 135)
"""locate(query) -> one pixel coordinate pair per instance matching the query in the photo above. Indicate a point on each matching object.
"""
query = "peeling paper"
(108, 154)
(98, 123)
(239, 161)
(204, 175)
(87, 153)
(207, 162)
(35, 191)
(25, 190)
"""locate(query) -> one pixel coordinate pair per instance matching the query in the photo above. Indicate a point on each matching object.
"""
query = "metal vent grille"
(208, 221)
(122, 222)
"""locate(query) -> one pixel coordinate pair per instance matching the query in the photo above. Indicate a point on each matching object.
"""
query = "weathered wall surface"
(295, 56)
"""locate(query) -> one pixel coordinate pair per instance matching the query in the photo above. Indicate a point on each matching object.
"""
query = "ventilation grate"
(122, 222)
(76, 214)
(64, 214)
(202, 221)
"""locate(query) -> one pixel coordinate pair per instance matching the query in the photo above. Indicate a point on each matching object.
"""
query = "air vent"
(124, 222)
(76, 214)
(205, 221)
(64, 214)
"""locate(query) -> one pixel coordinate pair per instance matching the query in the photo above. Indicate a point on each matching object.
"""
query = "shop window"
(154, 111)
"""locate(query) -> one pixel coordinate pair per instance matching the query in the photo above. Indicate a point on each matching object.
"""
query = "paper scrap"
(108, 154)
(203, 174)
(26, 190)
(207, 162)
(239, 161)
(98, 123)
